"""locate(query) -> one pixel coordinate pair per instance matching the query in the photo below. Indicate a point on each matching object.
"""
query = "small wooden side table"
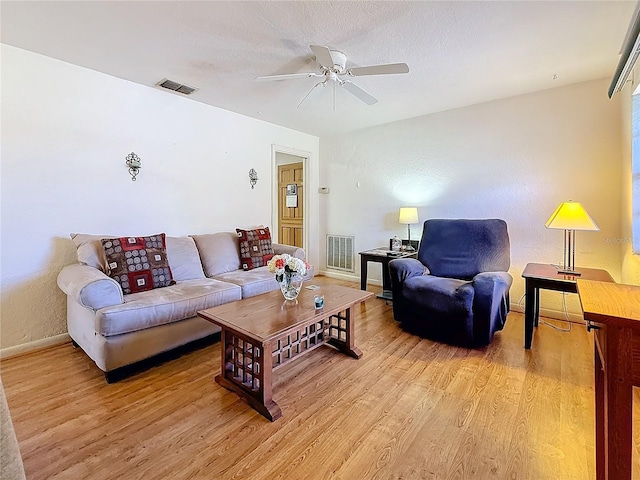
(381, 255)
(614, 310)
(546, 276)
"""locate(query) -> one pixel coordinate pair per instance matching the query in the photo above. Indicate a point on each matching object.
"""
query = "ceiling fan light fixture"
(339, 60)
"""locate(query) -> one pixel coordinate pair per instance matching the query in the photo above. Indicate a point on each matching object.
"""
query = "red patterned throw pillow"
(138, 263)
(255, 247)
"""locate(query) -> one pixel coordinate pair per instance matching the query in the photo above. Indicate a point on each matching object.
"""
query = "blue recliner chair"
(457, 291)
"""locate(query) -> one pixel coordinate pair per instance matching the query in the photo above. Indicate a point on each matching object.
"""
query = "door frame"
(303, 157)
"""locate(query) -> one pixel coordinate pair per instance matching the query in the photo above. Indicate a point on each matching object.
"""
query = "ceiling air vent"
(176, 87)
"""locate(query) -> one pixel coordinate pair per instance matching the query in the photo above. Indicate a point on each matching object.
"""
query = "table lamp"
(570, 216)
(408, 215)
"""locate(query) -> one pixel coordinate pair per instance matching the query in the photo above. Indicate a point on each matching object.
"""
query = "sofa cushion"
(184, 259)
(253, 282)
(255, 247)
(164, 305)
(138, 264)
(219, 252)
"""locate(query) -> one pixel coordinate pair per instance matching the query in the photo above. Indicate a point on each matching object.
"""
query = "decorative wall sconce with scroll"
(135, 164)
(253, 177)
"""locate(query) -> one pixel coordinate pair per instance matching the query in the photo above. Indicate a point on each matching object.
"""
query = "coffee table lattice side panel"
(243, 362)
(308, 337)
(291, 344)
(338, 327)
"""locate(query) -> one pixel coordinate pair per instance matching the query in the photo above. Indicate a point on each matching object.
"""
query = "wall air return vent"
(176, 87)
(340, 253)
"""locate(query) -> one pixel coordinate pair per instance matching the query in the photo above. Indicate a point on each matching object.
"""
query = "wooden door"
(290, 218)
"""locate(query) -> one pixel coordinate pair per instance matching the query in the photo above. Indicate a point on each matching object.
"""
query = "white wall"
(515, 159)
(65, 133)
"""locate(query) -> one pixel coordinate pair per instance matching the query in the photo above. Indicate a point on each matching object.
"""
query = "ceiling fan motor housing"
(339, 60)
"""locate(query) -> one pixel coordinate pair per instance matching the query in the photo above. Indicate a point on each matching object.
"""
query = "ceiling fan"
(332, 64)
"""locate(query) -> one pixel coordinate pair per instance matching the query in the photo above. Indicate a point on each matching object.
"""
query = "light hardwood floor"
(410, 408)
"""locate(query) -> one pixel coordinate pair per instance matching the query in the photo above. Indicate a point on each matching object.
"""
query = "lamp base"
(569, 272)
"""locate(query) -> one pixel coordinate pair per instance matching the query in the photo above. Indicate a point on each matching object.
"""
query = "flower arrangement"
(286, 264)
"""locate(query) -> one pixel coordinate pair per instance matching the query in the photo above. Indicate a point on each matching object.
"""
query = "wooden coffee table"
(262, 333)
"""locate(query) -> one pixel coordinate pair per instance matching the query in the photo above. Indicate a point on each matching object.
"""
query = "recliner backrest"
(463, 248)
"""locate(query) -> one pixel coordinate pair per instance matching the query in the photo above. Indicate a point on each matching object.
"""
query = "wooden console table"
(546, 276)
(614, 312)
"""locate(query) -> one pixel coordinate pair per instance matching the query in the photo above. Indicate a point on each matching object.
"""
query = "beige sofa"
(117, 330)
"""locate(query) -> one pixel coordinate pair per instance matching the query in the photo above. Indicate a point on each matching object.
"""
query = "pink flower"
(280, 263)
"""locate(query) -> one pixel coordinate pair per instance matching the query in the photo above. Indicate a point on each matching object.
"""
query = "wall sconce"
(253, 177)
(134, 163)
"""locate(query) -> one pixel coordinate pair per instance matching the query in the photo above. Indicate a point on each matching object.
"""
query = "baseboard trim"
(553, 314)
(349, 277)
(34, 346)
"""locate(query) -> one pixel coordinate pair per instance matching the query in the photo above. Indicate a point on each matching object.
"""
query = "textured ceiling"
(459, 53)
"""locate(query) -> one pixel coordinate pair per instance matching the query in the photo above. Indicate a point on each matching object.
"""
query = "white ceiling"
(459, 53)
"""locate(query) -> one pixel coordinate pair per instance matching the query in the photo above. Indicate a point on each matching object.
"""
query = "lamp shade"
(408, 215)
(571, 216)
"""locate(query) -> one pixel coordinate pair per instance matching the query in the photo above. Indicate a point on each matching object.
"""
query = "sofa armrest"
(297, 252)
(89, 287)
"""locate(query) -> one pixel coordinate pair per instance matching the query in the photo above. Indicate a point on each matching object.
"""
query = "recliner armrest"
(492, 292)
(89, 287)
(400, 269)
(490, 304)
(486, 282)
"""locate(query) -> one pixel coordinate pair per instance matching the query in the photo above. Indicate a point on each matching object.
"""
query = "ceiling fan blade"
(323, 55)
(386, 69)
(287, 76)
(313, 92)
(359, 92)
